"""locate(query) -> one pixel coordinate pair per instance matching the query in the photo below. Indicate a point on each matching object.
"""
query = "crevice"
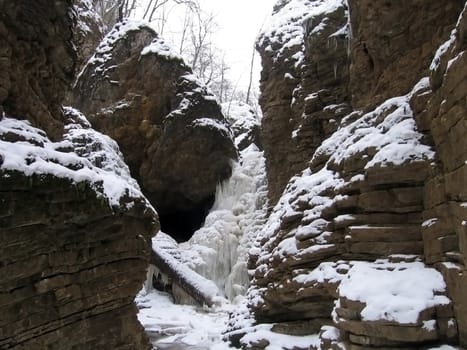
(180, 224)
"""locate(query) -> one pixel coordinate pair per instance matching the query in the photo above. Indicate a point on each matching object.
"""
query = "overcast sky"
(240, 22)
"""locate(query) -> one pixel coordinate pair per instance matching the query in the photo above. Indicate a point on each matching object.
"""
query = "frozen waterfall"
(219, 249)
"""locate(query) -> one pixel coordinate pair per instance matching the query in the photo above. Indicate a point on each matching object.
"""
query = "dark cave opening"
(181, 224)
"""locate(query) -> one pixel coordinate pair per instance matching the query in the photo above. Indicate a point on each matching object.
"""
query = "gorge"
(336, 220)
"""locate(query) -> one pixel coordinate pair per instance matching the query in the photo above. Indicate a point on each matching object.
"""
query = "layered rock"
(74, 226)
(442, 114)
(393, 44)
(169, 127)
(76, 240)
(303, 82)
(37, 60)
(361, 199)
(380, 196)
(88, 31)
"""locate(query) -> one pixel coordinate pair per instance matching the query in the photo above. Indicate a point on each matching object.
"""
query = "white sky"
(239, 23)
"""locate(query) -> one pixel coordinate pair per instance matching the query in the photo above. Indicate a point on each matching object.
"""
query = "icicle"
(149, 275)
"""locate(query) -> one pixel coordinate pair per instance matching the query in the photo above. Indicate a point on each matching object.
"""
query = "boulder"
(169, 127)
(75, 233)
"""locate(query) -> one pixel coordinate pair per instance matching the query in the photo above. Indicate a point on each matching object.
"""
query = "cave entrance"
(181, 224)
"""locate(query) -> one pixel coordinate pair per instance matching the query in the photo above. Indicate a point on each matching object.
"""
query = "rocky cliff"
(442, 115)
(169, 127)
(88, 32)
(305, 77)
(366, 170)
(74, 226)
(37, 61)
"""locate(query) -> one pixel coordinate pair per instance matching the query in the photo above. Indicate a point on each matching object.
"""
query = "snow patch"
(84, 155)
(159, 47)
(391, 294)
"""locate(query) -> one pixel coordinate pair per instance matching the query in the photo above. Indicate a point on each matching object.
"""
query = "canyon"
(338, 218)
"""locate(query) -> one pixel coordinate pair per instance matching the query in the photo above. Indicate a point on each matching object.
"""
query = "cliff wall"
(377, 195)
(170, 129)
(75, 228)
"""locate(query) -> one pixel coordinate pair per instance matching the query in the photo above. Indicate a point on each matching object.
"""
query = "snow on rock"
(171, 326)
(88, 20)
(310, 222)
(202, 289)
(326, 272)
(244, 123)
(449, 45)
(286, 29)
(391, 295)
(213, 124)
(84, 155)
(389, 131)
(262, 334)
(159, 47)
(103, 53)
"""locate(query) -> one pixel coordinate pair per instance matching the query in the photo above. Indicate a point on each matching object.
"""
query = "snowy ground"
(217, 251)
(178, 327)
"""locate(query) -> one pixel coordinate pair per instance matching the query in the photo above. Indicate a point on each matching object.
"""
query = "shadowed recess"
(181, 224)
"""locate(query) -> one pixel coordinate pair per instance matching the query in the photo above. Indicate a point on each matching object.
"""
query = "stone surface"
(349, 200)
(445, 118)
(302, 99)
(71, 260)
(245, 124)
(170, 129)
(37, 61)
(73, 252)
(393, 44)
(88, 31)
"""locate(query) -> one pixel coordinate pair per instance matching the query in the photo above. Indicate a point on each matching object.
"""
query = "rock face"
(88, 32)
(380, 192)
(393, 44)
(170, 129)
(37, 60)
(244, 123)
(74, 226)
(442, 114)
(304, 86)
(74, 251)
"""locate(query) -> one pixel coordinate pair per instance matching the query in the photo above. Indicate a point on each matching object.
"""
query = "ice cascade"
(219, 249)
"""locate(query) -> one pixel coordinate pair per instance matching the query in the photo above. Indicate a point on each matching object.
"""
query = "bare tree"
(113, 11)
(154, 5)
(194, 42)
(201, 31)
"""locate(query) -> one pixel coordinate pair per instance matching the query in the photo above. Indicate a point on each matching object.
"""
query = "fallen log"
(201, 289)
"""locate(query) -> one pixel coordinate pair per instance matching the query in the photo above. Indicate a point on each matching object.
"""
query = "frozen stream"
(218, 251)
(178, 327)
